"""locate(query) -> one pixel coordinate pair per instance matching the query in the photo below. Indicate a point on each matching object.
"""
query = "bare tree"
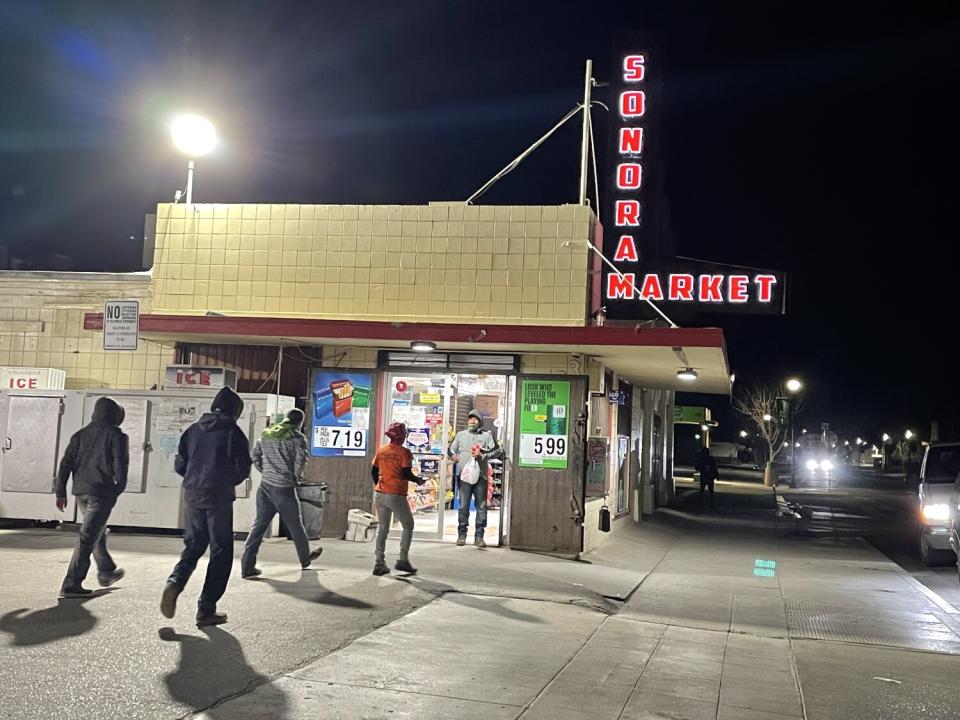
(759, 403)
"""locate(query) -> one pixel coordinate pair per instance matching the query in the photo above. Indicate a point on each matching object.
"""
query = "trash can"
(313, 496)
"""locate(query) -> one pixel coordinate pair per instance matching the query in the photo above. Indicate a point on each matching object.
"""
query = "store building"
(323, 302)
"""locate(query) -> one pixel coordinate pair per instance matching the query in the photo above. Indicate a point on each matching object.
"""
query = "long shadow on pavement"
(68, 618)
(213, 668)
(492, 605)
(309, 589)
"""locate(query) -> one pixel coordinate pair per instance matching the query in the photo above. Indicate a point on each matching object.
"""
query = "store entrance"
(434, 406)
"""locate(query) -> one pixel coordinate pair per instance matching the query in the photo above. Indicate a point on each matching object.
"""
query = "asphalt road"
(880, 508)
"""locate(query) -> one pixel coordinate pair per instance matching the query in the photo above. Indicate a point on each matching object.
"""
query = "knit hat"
(397, 432)
(295, 417)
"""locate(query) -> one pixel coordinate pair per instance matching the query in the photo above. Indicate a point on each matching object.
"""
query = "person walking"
(98, 456)
(473, 443)
(392, 470)
(213, 458)
(707, 467)
(280, 455)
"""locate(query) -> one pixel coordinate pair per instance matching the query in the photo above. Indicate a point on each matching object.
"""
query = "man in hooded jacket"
(280, 455)
(478, 444)
(213, 458)
(98, 456)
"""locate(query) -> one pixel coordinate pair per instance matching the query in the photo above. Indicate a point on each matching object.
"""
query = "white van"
(938, 474)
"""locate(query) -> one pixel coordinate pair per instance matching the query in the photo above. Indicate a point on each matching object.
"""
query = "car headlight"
(826, 465)
(812, 465)
(939, 512)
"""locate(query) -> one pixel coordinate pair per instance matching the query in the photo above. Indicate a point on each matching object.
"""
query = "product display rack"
(497, 496)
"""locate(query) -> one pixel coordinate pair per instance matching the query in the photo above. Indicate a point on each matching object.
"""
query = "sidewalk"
(825, 629)
(673, 618)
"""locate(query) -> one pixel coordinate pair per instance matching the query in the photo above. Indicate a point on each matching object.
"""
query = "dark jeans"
(479, 494)
(270, 501)
(205, 527)
(92, 539)
(705, 484)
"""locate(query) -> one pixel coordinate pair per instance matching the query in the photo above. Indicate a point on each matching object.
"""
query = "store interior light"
(687, 374)
(423, 346)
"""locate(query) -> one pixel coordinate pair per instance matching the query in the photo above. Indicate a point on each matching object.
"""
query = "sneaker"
(75, 592)
(214, 618)
(108, 579)
(381, 570)
(168, 603)
(250, 574)
(314, 554)
(478, 542)
(462, 540)
(405, 566)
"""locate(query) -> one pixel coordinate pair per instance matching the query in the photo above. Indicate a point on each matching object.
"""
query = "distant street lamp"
(908, 435)
(793, 386)
(767, 417)
(743, 433)
(883, 451)
(195, 137)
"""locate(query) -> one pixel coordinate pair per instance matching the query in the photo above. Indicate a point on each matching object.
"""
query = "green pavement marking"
(772, 564)
(763, 572)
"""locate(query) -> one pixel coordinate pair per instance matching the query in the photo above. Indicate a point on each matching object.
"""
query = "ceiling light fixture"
(687, 374)
(422, 346)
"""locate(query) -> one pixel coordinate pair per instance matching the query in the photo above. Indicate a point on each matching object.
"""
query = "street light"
(767, 417)
(195, 137)
(793, 386)
(743, 433)
(908, 435)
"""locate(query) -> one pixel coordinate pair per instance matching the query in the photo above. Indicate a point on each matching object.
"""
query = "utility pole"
(585, 133)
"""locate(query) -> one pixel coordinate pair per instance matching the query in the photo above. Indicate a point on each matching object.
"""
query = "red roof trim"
(286, 327)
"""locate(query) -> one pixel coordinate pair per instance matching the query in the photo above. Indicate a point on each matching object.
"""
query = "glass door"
(422, 402)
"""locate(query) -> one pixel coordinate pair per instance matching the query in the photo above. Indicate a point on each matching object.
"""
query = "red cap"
(397, 432)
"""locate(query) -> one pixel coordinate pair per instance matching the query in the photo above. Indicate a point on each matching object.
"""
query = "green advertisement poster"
(544, 423)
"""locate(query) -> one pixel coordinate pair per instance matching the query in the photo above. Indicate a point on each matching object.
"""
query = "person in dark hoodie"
(473, 443)
(213, 458)
(280, 455)
(97, 456)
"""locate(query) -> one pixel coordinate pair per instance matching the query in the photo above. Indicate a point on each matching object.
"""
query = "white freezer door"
(30, 444)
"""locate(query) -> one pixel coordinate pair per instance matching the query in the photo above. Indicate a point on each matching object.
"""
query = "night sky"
(814, 140)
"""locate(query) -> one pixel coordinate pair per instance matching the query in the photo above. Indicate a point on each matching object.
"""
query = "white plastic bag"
(471, 472)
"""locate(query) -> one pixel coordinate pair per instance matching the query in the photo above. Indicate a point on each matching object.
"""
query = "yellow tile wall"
(551, 364)
(349, 357)
(443, 262)
(41, 325)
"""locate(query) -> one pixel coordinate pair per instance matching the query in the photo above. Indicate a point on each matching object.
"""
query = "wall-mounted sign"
(634, 239)
(198, 378)
(544, 422)
(121, 324)
(340, 420)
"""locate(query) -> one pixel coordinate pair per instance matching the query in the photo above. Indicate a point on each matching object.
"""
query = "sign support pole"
(585, 134)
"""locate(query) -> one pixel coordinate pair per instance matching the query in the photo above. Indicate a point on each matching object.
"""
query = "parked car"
(937, 503)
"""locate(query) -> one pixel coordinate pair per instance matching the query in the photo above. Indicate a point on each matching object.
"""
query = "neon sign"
(633, 240)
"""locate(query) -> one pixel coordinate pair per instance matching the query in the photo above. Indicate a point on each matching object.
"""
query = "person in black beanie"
(213, 458)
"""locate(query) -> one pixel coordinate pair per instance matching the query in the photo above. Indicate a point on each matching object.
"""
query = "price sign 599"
(541, 449)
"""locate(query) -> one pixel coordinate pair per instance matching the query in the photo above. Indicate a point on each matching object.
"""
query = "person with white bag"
(473, 448)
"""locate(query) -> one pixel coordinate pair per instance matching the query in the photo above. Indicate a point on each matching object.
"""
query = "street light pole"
(793, 450)
(190, 166)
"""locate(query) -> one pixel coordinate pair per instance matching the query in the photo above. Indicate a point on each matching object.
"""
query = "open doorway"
(434, 406)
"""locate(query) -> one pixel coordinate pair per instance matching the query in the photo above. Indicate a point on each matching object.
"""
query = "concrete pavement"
(690, 615)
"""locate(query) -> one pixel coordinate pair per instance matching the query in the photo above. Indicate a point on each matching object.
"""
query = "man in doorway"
(98, 457)
(392, 470)
(473, 443)
(213, 458)
(707, 467)
(280, 455)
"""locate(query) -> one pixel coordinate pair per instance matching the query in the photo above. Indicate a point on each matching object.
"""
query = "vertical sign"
(121, 324)
(544, 421)
(341, 414)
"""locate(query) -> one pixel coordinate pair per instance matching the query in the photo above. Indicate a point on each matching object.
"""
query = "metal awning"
(646, 356)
